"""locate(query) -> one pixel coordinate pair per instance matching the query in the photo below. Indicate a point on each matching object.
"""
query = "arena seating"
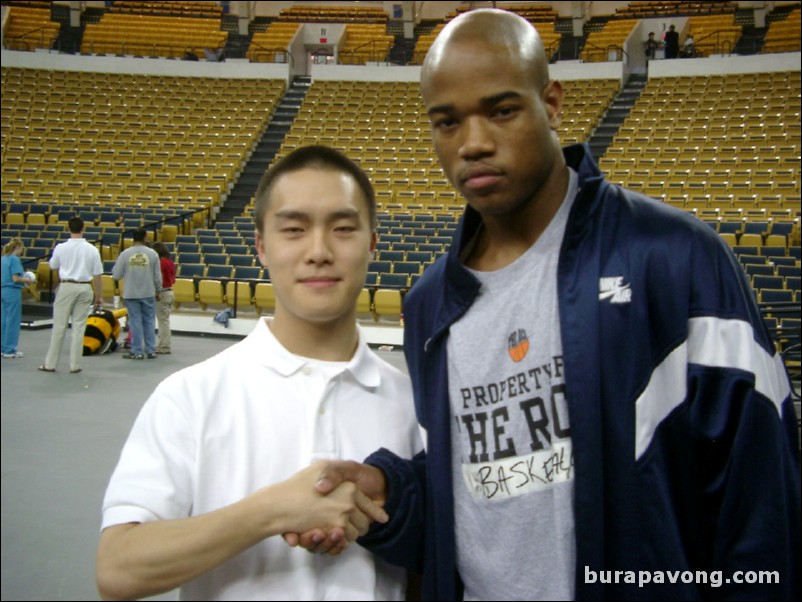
(30, 27)
(125, 151)
(647, 9)
(783, 36)
(122, 33)
(608, 44)
(714, 34)
(543, 17)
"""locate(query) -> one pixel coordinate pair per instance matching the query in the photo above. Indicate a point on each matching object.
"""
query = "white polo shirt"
(76, 259)
(251, 416)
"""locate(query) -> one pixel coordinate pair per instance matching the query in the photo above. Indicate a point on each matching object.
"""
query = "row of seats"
(699, 136)
(714, 34)
(29, 28)
(334, 14)
(783, 36)
(646, 9)
(174, 8)
(544, 19)
(383, 126)
(150, 35)
(151, 149)
(607, 44)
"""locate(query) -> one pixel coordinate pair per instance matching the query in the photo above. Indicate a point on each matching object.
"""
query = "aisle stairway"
(616, 114)
(265, 150)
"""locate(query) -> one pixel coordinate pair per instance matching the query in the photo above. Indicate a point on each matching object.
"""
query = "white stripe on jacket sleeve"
(715, 343)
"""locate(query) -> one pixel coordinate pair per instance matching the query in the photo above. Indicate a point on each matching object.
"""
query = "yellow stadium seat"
(264, 297)
(239, 293)
(184, 292)
(387, 304)
(364, 305)
(210, 292)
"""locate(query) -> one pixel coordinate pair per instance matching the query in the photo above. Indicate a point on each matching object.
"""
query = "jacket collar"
(460, 282)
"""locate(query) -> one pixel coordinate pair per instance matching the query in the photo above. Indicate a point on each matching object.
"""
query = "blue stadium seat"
(241, 260)
(242, 272)
(393, 280)
(190, 270)
(218, 271)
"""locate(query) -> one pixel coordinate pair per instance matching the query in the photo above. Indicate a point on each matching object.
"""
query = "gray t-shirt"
(511, 440)
(139, 266)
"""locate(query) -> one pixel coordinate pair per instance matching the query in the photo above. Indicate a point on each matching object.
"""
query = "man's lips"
(319, 281)
(478, 177)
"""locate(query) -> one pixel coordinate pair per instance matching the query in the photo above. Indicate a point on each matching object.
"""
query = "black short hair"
(140, 234)
(314, 156)
(75, 224)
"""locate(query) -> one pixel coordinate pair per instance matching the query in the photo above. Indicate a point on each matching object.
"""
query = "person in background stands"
(671, 42)
(651, 46)
(602, 399)
(140, 266)
(13, 279)
(218, 462)
(164, 305)
(79, 269)
(689, 47)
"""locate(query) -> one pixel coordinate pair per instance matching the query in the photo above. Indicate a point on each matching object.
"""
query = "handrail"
(22, 37)
(356, 52)
(553, 48)
(718, 46)
(274, 51)
(609, 47)
(156, 49)
(787, 340)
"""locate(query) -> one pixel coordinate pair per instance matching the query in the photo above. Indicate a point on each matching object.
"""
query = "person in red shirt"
(164, 301)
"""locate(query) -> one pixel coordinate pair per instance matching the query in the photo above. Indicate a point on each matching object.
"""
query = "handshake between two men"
(357, 491)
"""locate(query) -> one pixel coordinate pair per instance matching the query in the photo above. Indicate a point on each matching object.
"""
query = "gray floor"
(61, 436)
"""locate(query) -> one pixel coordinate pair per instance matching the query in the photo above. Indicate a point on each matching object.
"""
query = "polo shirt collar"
(272, 354)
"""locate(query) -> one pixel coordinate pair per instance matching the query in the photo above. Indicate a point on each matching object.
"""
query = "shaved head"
(502, 32)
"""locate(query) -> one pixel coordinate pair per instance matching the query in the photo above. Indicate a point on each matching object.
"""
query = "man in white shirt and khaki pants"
(79, 269)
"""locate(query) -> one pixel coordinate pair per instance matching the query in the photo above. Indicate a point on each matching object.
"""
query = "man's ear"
(259, 244)
(553, 100)
(374, 241)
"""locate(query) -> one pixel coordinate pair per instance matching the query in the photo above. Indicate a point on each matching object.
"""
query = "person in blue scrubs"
(13, 279)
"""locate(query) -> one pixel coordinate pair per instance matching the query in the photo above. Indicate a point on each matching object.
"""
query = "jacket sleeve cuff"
(403, 505)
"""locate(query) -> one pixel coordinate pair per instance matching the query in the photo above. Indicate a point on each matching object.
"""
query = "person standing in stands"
(79, 269)
(13, 279)
(164, 305)
(218, 462)
(141, 268)
(651, 46)
(605, 409)
(671, 43)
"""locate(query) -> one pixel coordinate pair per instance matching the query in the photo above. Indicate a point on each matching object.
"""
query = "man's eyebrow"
(486, 102)
(293, 214)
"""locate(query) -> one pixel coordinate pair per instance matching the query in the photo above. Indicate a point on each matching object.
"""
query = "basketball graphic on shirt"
(518, 345)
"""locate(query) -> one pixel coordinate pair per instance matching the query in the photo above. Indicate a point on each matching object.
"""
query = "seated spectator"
(688, 47)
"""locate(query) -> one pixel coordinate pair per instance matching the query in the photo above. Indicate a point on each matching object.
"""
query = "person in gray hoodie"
(139, 266)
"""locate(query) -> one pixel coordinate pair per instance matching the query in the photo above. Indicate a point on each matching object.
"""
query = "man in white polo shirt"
(79, 270)
(221, 458)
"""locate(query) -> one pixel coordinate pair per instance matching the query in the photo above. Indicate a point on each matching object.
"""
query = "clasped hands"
(363, 484)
